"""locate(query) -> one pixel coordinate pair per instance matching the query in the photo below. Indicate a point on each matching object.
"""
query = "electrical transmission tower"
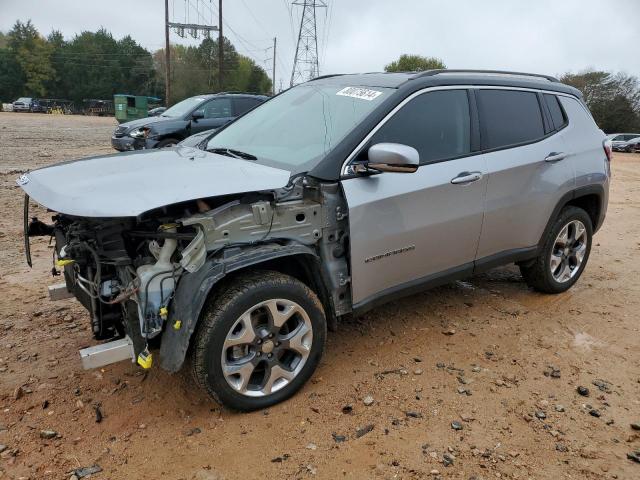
(305, 63)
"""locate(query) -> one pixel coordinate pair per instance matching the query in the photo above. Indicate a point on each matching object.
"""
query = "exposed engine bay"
(126, 271)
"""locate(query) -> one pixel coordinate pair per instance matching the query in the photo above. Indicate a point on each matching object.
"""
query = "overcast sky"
(543, 36)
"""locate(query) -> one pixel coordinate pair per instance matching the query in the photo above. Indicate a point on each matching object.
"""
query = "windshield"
(24, 99)
(296, 129)
(180, 109)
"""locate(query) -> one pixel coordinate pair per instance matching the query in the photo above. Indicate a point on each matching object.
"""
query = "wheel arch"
(196, 289)
(590, 198)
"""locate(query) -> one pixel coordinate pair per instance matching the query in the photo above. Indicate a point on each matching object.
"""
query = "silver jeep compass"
(329, 199)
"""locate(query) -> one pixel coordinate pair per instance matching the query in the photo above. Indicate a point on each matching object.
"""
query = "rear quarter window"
(557, 114)
(509, 117)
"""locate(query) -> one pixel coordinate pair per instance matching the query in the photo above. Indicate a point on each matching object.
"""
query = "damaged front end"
(144, 279)
(123, 271)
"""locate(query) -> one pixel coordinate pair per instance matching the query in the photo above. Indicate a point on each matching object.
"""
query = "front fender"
(194, 288)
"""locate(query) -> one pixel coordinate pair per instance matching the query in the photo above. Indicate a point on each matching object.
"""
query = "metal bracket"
(107, 353)
(59, 292)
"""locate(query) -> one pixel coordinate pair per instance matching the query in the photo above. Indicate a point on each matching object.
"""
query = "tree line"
(613, 98)
(95, 65)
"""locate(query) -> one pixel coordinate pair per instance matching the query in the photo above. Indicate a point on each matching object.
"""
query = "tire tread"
(536, 274)
(216, 308)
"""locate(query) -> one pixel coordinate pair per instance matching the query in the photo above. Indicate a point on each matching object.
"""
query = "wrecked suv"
(329, 199)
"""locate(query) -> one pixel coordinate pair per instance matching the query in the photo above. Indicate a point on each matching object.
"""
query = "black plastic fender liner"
(27, 243)
(193, 291)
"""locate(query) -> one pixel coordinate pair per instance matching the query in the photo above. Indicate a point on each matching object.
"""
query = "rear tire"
(564, 255)
(258, 341)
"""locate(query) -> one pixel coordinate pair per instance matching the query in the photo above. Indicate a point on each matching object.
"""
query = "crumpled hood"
(130, 184)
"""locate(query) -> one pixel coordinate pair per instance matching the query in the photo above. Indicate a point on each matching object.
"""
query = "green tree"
(12, 78)
(96, 65)
(35, 60)
(25, 59)
(194, 70)
(415, 63)
(614, 100)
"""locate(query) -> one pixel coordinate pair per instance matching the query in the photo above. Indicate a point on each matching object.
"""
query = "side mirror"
(198, 114)
(393, 157)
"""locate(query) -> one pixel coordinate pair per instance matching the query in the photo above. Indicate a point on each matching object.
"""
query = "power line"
(254, 17)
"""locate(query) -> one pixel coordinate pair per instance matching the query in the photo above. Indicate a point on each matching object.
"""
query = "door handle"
(466, 177)
(555, 157)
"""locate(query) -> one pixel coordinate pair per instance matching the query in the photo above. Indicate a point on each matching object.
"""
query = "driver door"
(415, 229)
(217, 112)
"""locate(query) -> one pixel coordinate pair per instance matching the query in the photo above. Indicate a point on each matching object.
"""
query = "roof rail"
(329, 75)
(430, 73)
(233, 93)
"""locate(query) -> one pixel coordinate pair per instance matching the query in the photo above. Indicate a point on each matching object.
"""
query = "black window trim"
(513, 145)
(474, 109)
(474, 129)
(546, 114)
(564, 113)
(521, 144)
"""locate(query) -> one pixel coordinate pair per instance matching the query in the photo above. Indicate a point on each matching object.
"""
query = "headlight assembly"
(137, 133)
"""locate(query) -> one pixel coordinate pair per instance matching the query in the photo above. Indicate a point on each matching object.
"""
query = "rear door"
(409, 228)
(217, 112)
(242, 105)
(528, 169)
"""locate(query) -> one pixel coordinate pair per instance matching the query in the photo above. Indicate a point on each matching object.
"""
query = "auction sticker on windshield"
(361, 93)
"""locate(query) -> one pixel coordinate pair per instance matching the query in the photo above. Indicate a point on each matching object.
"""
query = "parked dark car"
(27, 104)
(199, 140)
(154, 112)
(192, 115)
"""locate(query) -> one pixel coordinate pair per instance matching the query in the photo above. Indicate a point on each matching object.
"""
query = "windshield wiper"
(230, 152)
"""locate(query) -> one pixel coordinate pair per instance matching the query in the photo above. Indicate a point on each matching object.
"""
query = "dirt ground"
(489, 354)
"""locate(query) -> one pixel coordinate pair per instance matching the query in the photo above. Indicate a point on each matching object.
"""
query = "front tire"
(259, 341)
(564, 255)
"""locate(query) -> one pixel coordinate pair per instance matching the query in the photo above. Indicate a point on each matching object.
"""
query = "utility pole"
(167, 55)
(182, 29)
(305, 64)
(275, 41)
(220, 45)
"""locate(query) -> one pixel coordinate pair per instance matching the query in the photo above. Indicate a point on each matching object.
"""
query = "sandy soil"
(502, 361)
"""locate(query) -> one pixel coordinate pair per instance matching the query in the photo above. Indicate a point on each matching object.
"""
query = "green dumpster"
(130, 107)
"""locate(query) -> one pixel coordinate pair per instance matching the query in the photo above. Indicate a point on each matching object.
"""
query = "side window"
(437, 124)
(244, 104)
(509, 117)
(218, 108)
(557, 114)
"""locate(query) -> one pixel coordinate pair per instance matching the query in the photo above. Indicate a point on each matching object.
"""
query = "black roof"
(432, 78)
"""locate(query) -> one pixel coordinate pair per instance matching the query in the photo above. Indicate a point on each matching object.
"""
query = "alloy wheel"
(568, 251)
(267, 347)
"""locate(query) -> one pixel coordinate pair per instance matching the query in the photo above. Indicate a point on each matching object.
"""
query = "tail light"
(607, 149)
(609, 153)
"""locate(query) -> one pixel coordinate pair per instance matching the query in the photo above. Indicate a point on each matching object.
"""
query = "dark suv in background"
(192, 115)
